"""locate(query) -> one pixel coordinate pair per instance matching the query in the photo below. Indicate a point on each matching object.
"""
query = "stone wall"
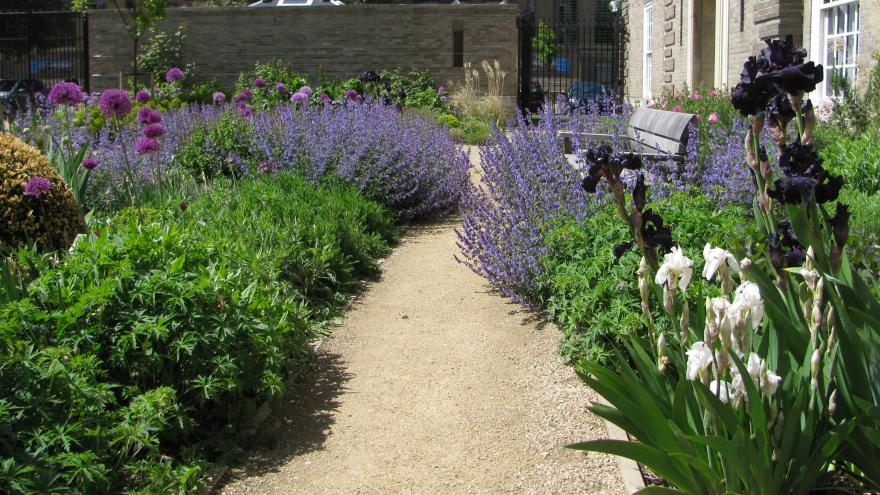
(748, 23)
(340, 41)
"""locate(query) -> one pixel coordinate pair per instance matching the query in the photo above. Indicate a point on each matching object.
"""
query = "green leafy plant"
(545, 43)
(149, 348)
(163, 50)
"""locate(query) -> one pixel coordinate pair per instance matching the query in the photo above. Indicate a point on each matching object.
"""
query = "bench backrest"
(659, 131)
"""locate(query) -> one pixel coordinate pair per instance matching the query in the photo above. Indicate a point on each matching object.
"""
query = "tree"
(137, 16)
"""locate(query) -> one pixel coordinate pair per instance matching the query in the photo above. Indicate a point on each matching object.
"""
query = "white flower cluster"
(728, 329)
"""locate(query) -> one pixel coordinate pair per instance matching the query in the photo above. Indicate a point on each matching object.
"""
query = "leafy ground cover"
(151, 346)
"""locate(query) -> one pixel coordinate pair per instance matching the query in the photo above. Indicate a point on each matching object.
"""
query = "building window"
(836, 40)
(647, 50)
(458, 48)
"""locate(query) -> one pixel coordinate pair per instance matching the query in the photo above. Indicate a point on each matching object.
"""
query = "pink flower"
(699, 117)
(174, 74)
(697, 95)
(651, 104)
(713, 117)
(153, 131)
(37, 186)
(676, 108)
(66, 93)
(663, 105)
(115, 103)
(146, 145)
(300, 97)
(713, 93)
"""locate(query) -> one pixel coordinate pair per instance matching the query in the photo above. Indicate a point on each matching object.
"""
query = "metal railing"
(47, 46)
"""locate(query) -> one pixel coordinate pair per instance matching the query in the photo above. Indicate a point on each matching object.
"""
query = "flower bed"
(757, 379)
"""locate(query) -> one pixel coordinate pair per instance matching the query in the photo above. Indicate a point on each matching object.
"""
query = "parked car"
(581, 93)
(17, 93)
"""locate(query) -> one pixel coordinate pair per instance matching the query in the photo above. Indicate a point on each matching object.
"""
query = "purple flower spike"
(115, 103)
(142, 96)
(174, 74)
(300, 98)
(154, 131)
(66, 93)
(37, 186)
(90, 164)
(146, 145)
(259, 83)
(306, 91)
(218, 97)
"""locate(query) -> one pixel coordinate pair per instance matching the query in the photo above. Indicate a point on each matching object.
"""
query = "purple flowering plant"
(771, 391)
(37, 186)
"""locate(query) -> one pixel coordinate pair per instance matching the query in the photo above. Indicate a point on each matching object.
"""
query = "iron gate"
(47, 46)
(578, 57)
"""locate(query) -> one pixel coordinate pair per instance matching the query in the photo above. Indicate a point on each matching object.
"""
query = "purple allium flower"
(218, 97)
(300, 98)
(306, 91)
(281, 88)
(89, 164)
(37, 186)
(115, 103)
(244, 109)
(174, 74)
(146, 145)
(352, 95)
(325, 98)
(142, 96)
(259, 83)
(147, 115)
(154, 131)
(245, 95)
(66, 93)
(183, 206)
(441, 90)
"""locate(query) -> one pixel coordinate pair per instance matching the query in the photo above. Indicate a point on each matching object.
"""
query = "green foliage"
(545, 43)
(273, 72)
(856, 158)
(589, 293)
(421, 91)
(221, 148)
(163, 51)
(150, 347)
(50, 221)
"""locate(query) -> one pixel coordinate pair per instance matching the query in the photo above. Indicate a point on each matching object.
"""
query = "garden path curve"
(433, 384)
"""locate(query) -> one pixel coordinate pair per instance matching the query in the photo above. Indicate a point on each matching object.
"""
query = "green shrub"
(220, 148)
(51, 220)
(590, 294)
(857, 159)
(151, 346)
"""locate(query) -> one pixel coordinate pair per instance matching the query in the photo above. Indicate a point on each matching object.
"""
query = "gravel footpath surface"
(434, 384)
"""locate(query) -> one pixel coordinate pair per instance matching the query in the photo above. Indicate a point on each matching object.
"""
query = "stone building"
(676, 43)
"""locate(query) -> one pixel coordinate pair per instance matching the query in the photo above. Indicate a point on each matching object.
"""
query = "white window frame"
(722, 38)
(820, 17)
(647, 50)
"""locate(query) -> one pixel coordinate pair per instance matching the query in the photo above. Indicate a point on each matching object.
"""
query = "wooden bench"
(652, 134)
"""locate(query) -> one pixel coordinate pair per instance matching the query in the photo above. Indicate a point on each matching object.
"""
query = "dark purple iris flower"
(780, 54)
(603, 162)
(369, 76)
(798, 78)
(655, 233)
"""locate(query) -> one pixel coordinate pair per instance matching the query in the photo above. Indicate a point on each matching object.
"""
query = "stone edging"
(629, 469)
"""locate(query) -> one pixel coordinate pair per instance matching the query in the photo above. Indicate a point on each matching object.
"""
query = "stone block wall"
(340, 41)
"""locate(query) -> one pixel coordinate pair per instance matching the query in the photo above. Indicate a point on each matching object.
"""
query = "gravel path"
(434, 384)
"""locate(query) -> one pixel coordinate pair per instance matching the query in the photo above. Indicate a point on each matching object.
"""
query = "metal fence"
(579, 59)
(47, 46)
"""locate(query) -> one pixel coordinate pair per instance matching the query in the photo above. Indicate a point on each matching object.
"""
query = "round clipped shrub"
(36, 206)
